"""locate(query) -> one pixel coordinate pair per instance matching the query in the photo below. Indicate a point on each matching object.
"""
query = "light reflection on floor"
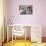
(23, 43)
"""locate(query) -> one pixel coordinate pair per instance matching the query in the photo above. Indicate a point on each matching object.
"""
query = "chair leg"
(15, 38)
(2, 44)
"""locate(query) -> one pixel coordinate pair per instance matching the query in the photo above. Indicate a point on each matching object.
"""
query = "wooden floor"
(23, 43)
(18, 43)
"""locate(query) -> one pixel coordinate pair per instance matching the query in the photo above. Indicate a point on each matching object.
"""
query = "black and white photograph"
(25, 9)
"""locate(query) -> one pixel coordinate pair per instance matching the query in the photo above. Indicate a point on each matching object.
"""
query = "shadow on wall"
(44, 34)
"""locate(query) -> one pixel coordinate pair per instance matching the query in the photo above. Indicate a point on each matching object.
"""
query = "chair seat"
(18, 33)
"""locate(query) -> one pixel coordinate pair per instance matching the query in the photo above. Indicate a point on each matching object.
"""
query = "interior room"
(22, 22)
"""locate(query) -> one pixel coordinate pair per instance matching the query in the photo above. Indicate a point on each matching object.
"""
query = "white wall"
(38, 16)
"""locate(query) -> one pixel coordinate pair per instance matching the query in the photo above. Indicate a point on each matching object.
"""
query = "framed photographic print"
(25, 9)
